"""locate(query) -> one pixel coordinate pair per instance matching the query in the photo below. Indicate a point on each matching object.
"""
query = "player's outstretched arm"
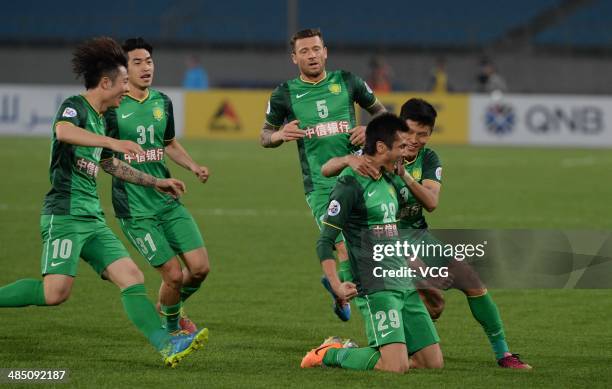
(360, 164)
(273, 137)
(325, 246)
(178, 154)
(69, 133)
(125, 172)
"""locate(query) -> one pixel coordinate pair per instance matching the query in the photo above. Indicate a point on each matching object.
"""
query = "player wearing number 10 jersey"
(158, 226)
(317, 111)
(72, 223)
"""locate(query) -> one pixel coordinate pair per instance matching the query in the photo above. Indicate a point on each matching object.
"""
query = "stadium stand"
(349, 23)
(588, 27)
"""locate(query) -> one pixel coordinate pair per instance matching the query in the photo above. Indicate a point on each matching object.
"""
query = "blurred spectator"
(489, 80)
(380, 75)
(195, 75)
(438, 80)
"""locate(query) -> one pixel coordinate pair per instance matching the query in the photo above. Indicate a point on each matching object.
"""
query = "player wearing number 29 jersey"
(317, 110)
(363, 208)
(158, 225)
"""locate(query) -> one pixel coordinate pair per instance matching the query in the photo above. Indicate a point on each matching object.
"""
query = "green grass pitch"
(263, 302)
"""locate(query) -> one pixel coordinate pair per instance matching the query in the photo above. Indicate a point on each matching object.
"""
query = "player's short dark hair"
(135, 44)
(383, 128)
(97, 58)
(307, 33)
(420, 111)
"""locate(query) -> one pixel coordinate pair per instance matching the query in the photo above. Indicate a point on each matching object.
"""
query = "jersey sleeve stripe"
(373, 104)
(64, 122)
(331, 225)
(270, 124)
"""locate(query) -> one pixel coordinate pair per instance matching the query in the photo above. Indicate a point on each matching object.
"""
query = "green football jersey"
(426, 166)
(73, 169)
(326, 113)
(364, 210)
(150, 123)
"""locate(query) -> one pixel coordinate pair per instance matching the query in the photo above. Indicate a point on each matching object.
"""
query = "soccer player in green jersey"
(158, 225)
(419, 182)
(317, 111)
(72, 223)
(364, 210)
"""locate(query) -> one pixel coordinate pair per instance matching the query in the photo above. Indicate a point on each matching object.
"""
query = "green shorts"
(392, 316)
(66, 238)
(318, 201)
(162, 237)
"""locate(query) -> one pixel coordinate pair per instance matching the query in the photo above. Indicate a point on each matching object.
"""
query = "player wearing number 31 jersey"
(158, 226)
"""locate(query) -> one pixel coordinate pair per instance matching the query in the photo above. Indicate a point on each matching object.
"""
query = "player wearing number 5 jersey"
(158, 225)
(317, 111)
(72, 223)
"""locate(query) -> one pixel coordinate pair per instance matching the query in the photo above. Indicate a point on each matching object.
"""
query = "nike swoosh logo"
(126, 116)
(298, 96)
(370, 194)
(54, 264)
(385, 334)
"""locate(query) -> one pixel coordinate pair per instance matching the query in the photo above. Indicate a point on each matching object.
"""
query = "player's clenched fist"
(201, 172)
(171, 186)
(346, 291)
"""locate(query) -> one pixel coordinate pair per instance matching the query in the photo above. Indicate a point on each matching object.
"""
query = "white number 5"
(322, 109)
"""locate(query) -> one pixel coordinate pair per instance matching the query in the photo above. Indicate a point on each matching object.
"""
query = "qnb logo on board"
(500, 119)
(579, 120)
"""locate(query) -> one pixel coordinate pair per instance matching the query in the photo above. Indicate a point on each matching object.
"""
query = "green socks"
(187, 291)
(170, 315)
(345, 271)
(143, 315)
(486, 313)
(364, 358)
(23, 293)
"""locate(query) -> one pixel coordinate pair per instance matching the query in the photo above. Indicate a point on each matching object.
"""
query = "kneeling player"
(419, 182)
(363, 209)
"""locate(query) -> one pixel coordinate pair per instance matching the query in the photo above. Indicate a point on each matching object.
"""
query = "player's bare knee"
(56, 297)
(435, 311)
(398, 368)
(199, 273)
(173, 277)
(434, 361)
(133, 275)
